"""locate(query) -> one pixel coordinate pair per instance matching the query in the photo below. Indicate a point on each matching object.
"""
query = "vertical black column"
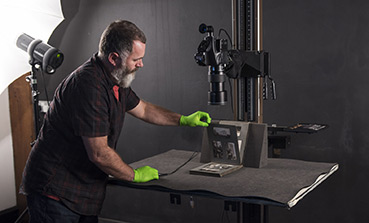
(255, 213)
(239, 34)
(250, 43)
(246, 36)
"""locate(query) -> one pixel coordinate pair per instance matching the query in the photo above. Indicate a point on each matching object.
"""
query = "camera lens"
(217, 94)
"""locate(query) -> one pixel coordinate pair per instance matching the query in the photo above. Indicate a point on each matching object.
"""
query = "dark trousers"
(46, 210)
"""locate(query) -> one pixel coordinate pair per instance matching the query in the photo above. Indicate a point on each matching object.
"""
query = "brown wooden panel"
(22, 125)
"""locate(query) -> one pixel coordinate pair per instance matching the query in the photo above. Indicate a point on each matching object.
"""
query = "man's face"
(126, 72)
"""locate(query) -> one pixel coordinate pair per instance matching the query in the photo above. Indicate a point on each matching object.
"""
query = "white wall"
(7, 178)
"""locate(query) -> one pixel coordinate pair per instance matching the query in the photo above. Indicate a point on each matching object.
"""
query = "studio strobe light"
(48, 57)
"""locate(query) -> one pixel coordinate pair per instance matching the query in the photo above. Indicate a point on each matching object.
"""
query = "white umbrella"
(37, 18)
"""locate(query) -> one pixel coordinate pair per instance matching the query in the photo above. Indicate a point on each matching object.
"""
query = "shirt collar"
(106, 73)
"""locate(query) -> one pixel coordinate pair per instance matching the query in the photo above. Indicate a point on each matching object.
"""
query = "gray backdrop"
(320, 62)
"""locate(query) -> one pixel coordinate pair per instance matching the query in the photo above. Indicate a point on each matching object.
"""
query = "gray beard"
(127, 80)
(124, 77)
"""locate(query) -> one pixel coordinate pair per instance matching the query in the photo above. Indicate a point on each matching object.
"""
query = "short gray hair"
(118, 37)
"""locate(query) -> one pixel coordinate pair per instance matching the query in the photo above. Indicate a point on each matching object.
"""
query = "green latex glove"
(145, 174)
(195, 119)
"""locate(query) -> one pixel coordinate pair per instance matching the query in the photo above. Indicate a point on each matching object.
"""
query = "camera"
(213, 52)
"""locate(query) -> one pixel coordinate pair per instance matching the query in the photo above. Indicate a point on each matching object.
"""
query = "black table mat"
(278, 183)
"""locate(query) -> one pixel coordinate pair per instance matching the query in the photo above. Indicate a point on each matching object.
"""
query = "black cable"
(194, 154)
(229, 80)
(229, 37)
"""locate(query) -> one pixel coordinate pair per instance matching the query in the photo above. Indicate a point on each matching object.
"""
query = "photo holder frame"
(253, 148)
(223, 144)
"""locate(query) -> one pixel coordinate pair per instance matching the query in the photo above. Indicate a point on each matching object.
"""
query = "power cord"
(194, 154)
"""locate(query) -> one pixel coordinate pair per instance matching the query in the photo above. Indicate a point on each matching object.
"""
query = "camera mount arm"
(252, 64)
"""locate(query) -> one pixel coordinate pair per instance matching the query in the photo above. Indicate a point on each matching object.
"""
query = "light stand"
(32, 79)
(42, 57)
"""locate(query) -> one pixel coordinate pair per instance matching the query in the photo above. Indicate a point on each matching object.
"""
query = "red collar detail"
(116, 92)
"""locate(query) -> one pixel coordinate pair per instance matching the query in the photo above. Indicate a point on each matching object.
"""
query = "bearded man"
(67, 170)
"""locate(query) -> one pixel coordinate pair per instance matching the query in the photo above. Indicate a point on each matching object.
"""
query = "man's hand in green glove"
(196, 119)
(145, 174)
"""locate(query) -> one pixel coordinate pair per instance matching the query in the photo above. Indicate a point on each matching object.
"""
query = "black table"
(283, 182)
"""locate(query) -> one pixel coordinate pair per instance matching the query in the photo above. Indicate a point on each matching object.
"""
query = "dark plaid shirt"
(84, 104)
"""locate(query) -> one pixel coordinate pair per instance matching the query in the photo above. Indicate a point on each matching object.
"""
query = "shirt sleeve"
(132, 99)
